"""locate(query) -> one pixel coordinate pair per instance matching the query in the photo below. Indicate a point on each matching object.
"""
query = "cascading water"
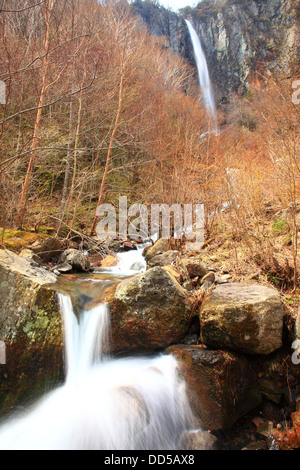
(204, 78)
(105, 403)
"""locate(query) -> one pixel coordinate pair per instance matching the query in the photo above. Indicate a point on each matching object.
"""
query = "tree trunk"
(115, 128)
(48, 9)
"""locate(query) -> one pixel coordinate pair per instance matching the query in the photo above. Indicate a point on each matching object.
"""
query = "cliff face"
(241, 38)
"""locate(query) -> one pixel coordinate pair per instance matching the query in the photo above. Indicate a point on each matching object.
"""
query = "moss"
(15, 240)
(34, 354)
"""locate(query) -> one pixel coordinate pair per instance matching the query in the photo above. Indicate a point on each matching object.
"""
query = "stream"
(105, 403)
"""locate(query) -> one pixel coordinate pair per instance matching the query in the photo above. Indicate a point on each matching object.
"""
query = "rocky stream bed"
(232, 340)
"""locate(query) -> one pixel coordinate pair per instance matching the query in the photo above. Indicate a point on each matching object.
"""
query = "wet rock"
(109, 261)
(30, 327)
(221, 386)
(244, 318)
(162, 245)
(64, 268)
(76, 259)
(198, 440)
(119, 246)
(164, 259)
(149, 312)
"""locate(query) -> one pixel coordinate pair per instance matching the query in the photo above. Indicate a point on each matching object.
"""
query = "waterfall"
(204, 78)
(136, 403)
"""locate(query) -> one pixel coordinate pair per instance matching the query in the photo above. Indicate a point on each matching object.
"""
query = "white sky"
(176, 4)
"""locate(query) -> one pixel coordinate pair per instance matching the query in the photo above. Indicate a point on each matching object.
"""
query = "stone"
(49, 249)
(76, 259)
(164, 259)
(198, 440)
(64, 268)
(16, 240)
(31, 255)
(221, 386)
(149, 312)
(162, 245)
(244, 318)
(194, 267)
(30, 327)
(109, 261)
(208, 278)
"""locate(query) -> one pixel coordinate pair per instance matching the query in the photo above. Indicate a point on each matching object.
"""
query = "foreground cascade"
(104, 403)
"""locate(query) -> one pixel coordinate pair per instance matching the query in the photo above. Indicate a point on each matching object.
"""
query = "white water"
(105, 403)
(130, 262)
(204, 78)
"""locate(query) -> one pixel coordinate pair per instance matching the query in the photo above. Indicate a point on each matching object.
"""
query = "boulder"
(76, 259)
(221, 386)
(194, 267)
(243, 318)
(198, 440)
(164, 259)
(30, 328)
(109, 261)
(49, 249)
(31, 255)
(16, 240)
(162, 245)
(148, 312)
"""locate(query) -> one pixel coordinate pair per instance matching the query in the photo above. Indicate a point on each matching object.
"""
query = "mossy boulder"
(30, 328)
(16, 240)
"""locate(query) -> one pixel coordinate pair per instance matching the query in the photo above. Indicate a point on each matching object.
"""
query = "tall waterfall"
(204, 78)
(136, 403)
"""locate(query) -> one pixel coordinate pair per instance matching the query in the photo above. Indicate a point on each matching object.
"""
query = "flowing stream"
(105, 403)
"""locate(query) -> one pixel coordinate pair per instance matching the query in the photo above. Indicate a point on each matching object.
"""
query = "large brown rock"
(160, 246)
(194, 267)
(49, 249)
(148, 312)
(221, 386)
(164, 259)
(243, 318)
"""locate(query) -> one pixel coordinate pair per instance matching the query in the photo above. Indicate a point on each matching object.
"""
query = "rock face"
(30, 327)
(244, 318)
(149, 312)
(221, 386)
(238, 37)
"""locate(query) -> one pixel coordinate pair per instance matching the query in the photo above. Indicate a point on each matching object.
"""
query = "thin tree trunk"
(48, 9)
(75, 151)
(115, 128)
(67, 170)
